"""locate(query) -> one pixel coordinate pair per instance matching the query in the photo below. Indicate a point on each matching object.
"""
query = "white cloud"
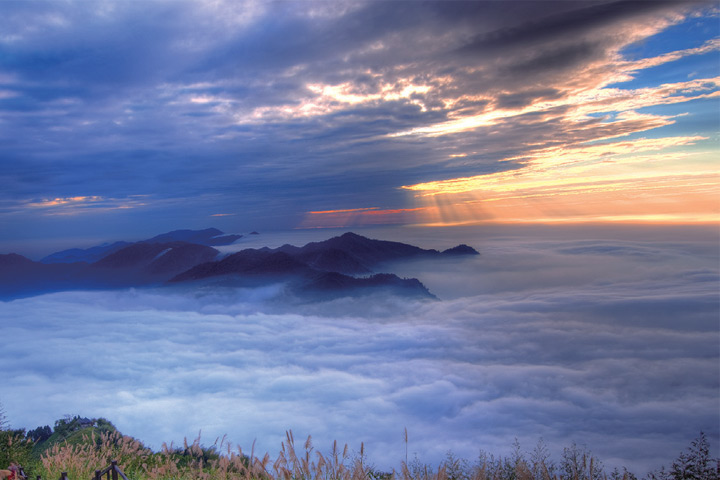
(608, 340)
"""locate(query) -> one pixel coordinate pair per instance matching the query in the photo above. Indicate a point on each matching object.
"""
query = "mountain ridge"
(344, 265)
(209, 237)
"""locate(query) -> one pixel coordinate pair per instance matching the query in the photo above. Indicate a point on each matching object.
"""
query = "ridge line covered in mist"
(318, 270)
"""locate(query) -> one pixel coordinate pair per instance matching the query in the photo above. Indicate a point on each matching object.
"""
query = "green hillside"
(70, 431)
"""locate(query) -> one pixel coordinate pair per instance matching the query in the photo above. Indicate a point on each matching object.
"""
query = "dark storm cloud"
(559, 59)
(180, 100)
(520, 99)
(563, 25)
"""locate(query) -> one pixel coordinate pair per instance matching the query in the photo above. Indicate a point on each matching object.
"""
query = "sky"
(607, 338)
(128, 119)
(574, 144)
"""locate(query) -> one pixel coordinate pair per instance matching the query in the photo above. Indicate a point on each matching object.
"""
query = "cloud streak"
(248, 108)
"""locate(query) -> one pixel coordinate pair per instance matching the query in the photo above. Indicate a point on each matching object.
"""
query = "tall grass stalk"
(302, 461)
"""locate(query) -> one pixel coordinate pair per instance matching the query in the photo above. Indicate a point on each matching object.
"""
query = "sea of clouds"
(608, 338)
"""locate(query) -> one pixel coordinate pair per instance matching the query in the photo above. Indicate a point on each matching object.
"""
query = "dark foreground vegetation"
(79, 446)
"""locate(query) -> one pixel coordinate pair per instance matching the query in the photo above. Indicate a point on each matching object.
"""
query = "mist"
(603, 337)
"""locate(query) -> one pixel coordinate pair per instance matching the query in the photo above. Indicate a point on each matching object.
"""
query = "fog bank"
(607, 338)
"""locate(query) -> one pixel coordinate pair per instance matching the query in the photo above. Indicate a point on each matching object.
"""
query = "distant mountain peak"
(13, 259)
(328, 266)
(208, 236)
(89, 255)
(461, 249)
(342, 265)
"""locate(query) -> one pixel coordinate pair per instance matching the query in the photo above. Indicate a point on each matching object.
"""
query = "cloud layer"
(605, 338)
(252, 113)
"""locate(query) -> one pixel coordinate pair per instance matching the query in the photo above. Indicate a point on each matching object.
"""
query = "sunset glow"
(556, 113)
(427, 229)
(80, 205)
(624, 181)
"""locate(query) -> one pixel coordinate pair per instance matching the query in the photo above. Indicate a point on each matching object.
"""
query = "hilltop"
(346, 265)
(68, 431)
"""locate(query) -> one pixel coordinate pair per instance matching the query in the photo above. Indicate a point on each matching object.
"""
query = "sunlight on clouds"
(271, 96)
(581, 157)
(633, 180)
(83, 204)
(633, 203)
(348, 93)
(619, 100)
(341, 93)
(64, 201)
(631, 67)
(543, 167)
(326, 99)
(587, 92)
(600, 182)
(203, 99)
(581, 105)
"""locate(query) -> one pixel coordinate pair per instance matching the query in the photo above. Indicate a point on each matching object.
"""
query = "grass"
(301, 461)
(294, 462)
(71, 437)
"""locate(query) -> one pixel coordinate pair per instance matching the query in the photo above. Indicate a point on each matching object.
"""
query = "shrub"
(15, 447)
(693, 464)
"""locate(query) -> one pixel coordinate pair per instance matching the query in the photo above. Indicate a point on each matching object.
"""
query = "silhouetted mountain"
(322, 266)
(366, 251)
(332, 284)
(336, 267)
(147, 262)
(348, 254)
(20, 276)
(135, 265)
(248, 262)
(461, 249)
(333, 260)
(89, 255)
(179, 257)
(10, 261)
(209, 237)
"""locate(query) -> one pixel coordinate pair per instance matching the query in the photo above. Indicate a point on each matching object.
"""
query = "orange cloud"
(642, 180)
(82, 204)
(323, 99)
(582, 175)
(64, 201)
(581, 105)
